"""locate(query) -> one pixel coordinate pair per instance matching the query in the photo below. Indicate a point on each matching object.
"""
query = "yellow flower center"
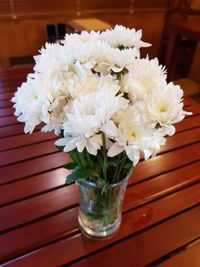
(133, 134)
(162, 109)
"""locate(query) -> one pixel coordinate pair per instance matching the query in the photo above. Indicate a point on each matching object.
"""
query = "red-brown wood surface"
(38, 212)
(190, 257)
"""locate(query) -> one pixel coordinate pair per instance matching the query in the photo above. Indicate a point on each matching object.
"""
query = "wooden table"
(78, 25)
(38, 217)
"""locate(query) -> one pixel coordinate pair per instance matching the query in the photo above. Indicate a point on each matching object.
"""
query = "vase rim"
(111, 185)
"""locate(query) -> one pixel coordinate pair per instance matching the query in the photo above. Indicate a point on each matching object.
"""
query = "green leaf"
(70, 166)
(89, 159)
(74, 156)
(82, 159)
(72, 176)
(85, 173)
(81, 175)
(112, 164)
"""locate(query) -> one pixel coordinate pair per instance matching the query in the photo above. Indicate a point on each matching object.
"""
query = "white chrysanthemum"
(57, 99)
(83, 37)
(92, 53)
(116, 60)
(165, 107)
(54, 115)
(53, 57)
(29, 100)
(144, 76)
(88, 115)
(80, 85)
(133, 136)
(123, 37)
(42, 98)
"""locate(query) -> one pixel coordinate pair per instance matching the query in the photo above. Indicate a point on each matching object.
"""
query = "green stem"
(74, 155)
(89, 160)
(117, 167)
(124, 157)
(104, 155)
(82, 159)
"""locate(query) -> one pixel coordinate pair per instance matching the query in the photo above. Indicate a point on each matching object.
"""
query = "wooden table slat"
(6, 96)
(189, 257)
(6, 111)
(49, 203)
(8, 120)
(12, 142)
(181, 139)
(34, 185)
(168, 161)
(13, 130)
(32, 167)
(192, 122)
(152, 188)
(145, 248)
(27, 152)
(5, 104)
(77, 246)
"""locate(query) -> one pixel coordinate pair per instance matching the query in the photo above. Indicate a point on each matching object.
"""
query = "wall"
(22, 26)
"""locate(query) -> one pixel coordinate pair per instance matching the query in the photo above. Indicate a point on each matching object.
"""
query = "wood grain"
(34, 26)
(78, 245)
(189, 257)
(39, 212)
(31, 167)
(147, 247)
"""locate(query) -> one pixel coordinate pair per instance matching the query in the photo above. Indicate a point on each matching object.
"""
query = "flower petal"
(96, 141)
(81, 144)
(115, 150)
(110, 129)
(70, 146)
(133, 154)
(62, 141)
(90, 148)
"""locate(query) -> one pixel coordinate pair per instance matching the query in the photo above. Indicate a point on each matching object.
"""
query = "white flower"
(94, 83)
(144, 76)
(88, 114)
(53, 57)
(123, 37)
(133, 136)
(29, 100)
(53, 114)
(165, 107)
(90, 54)
(57, 102)
(92, 144)
(116, 60)
(83, 37)
(86, 83)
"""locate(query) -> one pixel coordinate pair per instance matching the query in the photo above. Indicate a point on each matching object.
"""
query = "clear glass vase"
(100, 209)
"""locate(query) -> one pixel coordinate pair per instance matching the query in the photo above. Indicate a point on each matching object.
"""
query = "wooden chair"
(182, 27)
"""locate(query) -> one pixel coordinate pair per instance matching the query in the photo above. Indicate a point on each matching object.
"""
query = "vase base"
(104, 233)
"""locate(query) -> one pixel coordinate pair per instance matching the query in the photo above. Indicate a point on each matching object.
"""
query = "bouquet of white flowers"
(108, 105)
